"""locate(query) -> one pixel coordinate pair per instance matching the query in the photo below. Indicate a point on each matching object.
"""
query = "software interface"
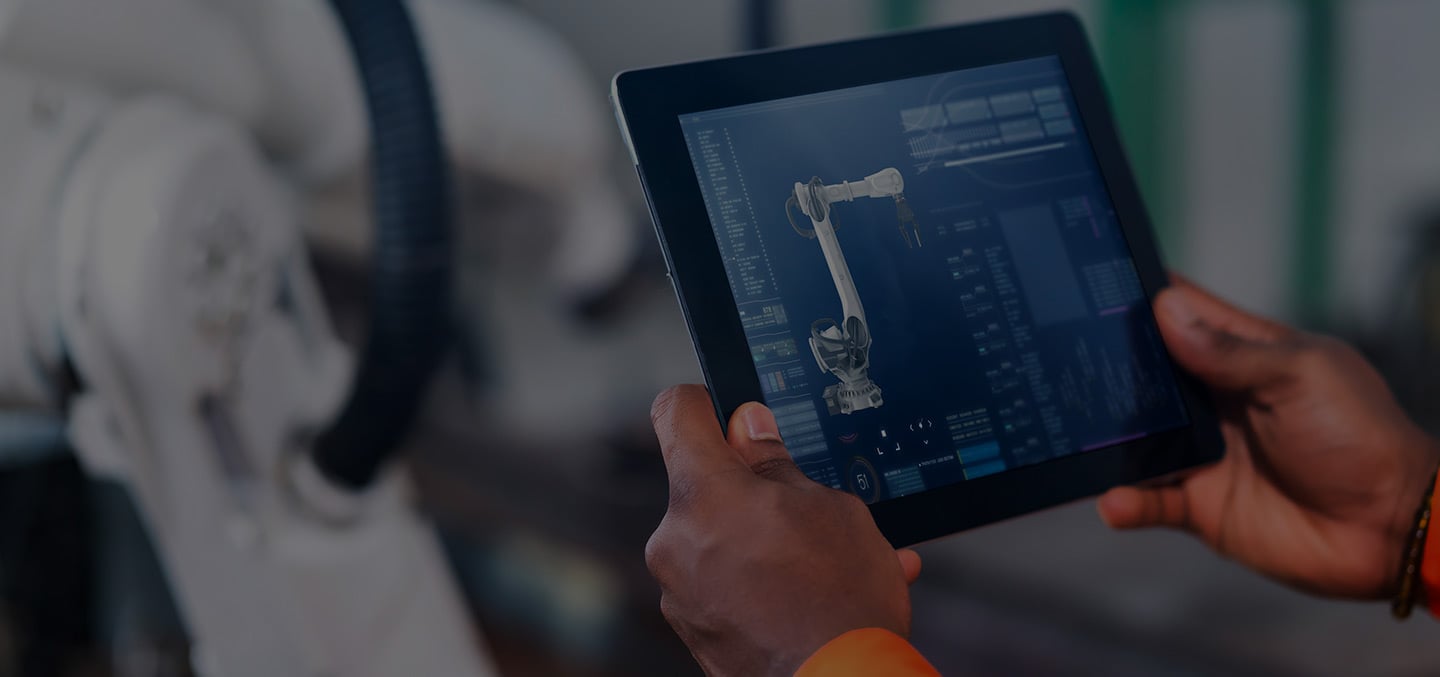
(931, 277)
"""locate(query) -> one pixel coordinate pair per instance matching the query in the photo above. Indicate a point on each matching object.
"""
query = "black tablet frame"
(649, 103)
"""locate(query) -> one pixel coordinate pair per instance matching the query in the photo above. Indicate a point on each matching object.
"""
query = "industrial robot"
(843, 348)
(157, 297)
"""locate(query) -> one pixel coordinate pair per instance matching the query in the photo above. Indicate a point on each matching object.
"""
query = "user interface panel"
(931, 277)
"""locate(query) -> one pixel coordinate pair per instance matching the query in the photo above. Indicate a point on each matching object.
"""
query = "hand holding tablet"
(1318, 490)
(926, 254)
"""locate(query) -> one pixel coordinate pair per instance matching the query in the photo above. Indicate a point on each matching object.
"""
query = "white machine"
(155, 291)
(843, 348)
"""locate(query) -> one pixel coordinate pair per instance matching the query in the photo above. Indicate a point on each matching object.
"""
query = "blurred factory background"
(1289, 151)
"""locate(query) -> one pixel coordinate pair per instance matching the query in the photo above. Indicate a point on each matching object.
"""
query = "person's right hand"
(758, 565)
(1323, 472)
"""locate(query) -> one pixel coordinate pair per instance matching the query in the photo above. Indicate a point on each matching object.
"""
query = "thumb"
(1223, 346)
(910, 564)
(1140, 507)
(755, 436)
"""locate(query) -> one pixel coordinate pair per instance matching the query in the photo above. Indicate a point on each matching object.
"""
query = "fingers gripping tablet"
(925, 252)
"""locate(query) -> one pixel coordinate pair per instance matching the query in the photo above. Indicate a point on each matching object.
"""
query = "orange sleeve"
(865, 653)
(1430, 561)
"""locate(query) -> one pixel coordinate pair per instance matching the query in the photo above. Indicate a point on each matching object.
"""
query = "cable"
(790, 205)
(818, 207)
(410, 280)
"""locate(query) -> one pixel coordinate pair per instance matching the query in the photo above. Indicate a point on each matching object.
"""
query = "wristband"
(1415, 576)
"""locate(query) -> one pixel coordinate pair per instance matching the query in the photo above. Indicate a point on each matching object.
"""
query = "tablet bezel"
(650, 102)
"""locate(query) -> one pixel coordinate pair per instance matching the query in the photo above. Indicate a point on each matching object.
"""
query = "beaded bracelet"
(1404, 601)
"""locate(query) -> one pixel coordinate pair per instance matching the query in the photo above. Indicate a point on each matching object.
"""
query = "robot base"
(848, 398)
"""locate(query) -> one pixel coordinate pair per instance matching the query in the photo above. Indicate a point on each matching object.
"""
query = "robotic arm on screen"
(843, 349)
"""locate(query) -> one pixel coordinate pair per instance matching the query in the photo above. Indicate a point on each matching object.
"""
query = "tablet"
(926, 253)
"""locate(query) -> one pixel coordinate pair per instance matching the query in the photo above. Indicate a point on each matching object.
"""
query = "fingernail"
(1106, 506)
(1174, 305)
(759, 423)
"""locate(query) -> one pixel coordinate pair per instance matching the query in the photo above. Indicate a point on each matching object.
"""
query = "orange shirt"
(866, 653)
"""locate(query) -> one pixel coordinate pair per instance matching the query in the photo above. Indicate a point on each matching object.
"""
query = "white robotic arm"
(172, 277)
(166, 260)
(884, 183)
(149, 245)
(280, 69)
(843, 348)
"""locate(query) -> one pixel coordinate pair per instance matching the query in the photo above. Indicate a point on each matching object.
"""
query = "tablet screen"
(931, 277)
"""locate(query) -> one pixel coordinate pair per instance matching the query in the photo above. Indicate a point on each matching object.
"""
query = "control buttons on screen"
(863, 481)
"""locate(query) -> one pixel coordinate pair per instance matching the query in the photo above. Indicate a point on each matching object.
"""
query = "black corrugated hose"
(410, 277)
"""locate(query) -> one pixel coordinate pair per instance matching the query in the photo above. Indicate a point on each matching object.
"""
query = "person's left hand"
(759, 566)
